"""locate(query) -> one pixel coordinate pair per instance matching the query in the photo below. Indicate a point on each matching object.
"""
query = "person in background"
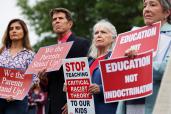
(154, 11)
(62, 23)
(104, 34)
(16, 53)
(37, 99)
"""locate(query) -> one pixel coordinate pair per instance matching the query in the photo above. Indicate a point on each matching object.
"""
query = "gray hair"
(105, 24)
(166, 4)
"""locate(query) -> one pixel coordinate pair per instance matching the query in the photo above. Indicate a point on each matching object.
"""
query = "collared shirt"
(20, 61)
(64, 38)
(96, 64)
(166, 29)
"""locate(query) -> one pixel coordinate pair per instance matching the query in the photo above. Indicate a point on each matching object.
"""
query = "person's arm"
(158, 69)
(43, 79)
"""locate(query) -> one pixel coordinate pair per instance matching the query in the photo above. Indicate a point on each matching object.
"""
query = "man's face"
(60, 23)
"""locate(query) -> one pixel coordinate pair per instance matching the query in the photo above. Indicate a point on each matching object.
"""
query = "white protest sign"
(77, 79)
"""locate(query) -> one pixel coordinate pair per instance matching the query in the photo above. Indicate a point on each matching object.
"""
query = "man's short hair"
(63, 10)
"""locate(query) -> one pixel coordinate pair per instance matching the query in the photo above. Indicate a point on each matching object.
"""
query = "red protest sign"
(125, 78)
(49, 57)
(14, 83)
(142, 39)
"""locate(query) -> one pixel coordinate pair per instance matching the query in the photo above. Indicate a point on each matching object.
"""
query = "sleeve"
(101, 89)
(30, 57)
(158, 69)
(159, 66)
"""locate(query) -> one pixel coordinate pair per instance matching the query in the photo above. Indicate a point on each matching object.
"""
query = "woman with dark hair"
(16, 53)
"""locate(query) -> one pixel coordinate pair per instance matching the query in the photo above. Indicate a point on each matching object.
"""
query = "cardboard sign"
(142, 39)
(77, 79)
(125, 78)
(49, 57)
(14, 83)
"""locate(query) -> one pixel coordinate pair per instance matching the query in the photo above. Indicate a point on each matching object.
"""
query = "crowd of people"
(47, 95)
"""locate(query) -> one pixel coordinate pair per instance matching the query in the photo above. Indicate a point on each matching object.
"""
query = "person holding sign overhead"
(16, 53)
(104, 34)
(154, 11)
(62, 23)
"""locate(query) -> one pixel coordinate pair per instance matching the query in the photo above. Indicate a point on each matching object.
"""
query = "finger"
(91, 89)
(65, 109)
(9, 99)
(65, 88)
(65, 112)
(65, 106)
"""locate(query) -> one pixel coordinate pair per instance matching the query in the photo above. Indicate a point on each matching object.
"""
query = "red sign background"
(114, 81)
(142, 45)
(14, 83)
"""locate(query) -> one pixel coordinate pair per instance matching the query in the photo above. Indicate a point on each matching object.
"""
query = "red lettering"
(67, 67)
(82, 65)
(72, 66)
(78, 66)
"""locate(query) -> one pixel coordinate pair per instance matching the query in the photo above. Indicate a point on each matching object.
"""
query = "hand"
(94, 89)
(131, 53)
(42, 74)
(64, 87)
(9, 99)
(43, 77)
(65, 109)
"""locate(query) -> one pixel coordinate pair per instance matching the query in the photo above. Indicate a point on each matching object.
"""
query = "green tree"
(122, 13)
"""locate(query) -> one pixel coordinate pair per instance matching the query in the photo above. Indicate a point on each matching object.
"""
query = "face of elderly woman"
(153, 12)
(102, 37)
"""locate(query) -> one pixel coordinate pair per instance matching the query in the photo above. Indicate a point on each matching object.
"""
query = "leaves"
(122, 13)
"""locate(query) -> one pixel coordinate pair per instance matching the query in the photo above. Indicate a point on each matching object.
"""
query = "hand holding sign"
(94, 89)
(131, 53)
(9, 99)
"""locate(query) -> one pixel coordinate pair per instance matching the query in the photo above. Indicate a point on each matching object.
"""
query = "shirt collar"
(64, 38)
(166, 27)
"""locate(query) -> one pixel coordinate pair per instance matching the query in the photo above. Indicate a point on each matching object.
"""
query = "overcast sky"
(8, 11)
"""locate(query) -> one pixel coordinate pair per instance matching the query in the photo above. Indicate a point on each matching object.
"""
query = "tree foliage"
(122, 13)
